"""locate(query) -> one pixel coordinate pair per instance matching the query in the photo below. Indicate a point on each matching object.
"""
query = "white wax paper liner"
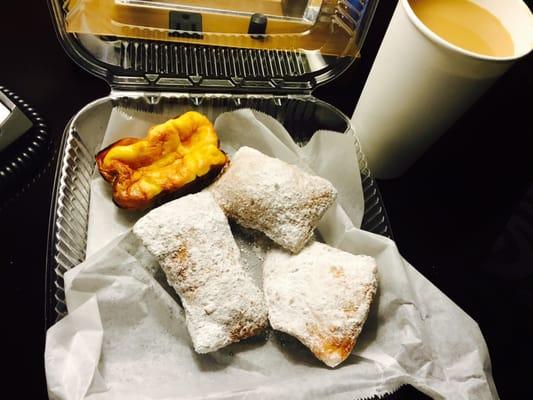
(329, 154)
(414, 335)
(124, 336)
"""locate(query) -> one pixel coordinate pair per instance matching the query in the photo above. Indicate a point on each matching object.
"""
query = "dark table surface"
(462, 214)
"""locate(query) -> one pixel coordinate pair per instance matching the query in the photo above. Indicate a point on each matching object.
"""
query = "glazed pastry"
(274, 197)
(321, 296)
(191, 239)
(179, 156)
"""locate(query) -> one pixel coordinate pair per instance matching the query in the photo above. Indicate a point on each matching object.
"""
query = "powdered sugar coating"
(191, 239)
(321, 296)
(274, 197)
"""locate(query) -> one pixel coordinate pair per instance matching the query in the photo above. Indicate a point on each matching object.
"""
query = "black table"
(448, 212)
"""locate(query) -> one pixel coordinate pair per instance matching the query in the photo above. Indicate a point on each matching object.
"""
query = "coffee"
(466, 25)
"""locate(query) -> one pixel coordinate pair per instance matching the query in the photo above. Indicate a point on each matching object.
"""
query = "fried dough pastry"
(274, 197)
(181, 155)
(192, 240)
(321, 296)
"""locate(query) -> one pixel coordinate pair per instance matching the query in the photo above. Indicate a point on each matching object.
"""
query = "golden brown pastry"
(181, 155)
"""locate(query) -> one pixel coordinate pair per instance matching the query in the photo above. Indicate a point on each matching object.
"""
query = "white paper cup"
(420, 85)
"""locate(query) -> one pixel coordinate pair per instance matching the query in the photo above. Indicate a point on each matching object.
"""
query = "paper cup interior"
(513, 14)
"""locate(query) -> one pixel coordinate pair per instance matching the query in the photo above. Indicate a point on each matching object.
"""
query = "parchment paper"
(125, 337)
(328, 154)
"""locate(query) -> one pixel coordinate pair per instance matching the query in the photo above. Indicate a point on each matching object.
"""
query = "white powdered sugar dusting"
(274, 197)
(192, 240)
(254, 246)
(321, 296)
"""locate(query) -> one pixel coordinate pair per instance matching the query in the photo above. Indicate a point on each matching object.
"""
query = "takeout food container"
(209, 56)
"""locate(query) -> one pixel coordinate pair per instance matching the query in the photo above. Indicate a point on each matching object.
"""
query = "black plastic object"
(185, 24)
(13, 122)
(27, 157)
(258, 25)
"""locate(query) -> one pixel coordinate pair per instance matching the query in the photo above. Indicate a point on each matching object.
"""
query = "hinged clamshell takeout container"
(165, 57)
(206, 55)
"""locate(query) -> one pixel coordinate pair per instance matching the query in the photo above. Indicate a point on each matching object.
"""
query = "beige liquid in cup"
(466, 25)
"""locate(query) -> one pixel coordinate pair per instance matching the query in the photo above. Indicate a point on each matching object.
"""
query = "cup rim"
(450, 46)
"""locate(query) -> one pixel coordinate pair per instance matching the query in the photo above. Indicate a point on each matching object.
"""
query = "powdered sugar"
(193, 243)
(321, 296)
(253, 246)
(273, 197)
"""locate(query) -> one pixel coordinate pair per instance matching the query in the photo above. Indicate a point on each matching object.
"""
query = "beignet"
(321, 296)
(274, 197)
(191, 239)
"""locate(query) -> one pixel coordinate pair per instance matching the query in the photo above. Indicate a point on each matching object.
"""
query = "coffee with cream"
(466, 25)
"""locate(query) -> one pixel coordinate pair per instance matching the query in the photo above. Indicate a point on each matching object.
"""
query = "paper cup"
(420, 85)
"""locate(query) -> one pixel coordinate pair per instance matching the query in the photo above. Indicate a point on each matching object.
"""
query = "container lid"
(276, 46)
